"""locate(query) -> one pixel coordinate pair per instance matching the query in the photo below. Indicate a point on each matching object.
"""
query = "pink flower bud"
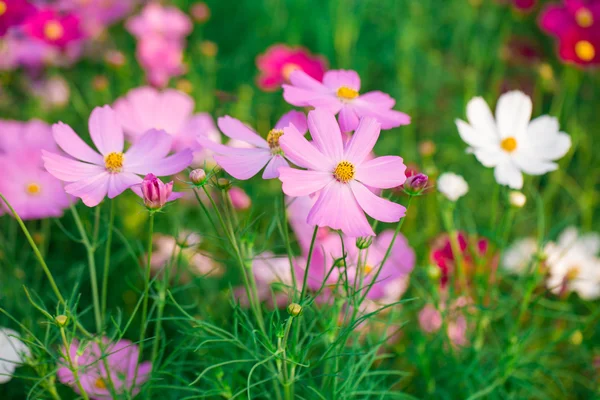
(155, 192)
(415, 184)
(198, 176)
(239, 199)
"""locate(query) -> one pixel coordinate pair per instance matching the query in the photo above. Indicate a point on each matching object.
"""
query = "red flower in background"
(13, 12)
(279, 61)
(54, 28)
(576, 25)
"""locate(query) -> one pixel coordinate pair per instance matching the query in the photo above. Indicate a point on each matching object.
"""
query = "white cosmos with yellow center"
(510, 141)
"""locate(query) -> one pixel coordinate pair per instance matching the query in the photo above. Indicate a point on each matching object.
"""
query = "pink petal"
(106, 131)
(296, 118)
(362, 142)
(153, 144)
(118, 183)
(73, 145)
(366, 107)
(303, 153)
(326, 134)
(348, 119)
(310, 98)
(235, 129)
(244, 165)
(383, 100)
(163, 166)
(302, 80)
(297, 182)
(335, 79)
(337, 208)
(67, 169)
(272, 169)
(382, 172)
(377, 207)
(90, 190)
(218, 147)
(174, 109)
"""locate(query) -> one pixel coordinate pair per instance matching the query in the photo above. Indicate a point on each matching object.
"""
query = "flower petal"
(303, 153)
(490, 157)
(106, 131)
(481, 119)
(302, 80)
(154, 144)
(544, 139)
(348, 119)
(473, 137)
(311, 98)
(382, 172)
(67, 169)
(272, 169)
(532, 165)
(513, 113)
(219, 148)
(377, 207)
(118, 183)
(90, 190)
(506, 173)
(235, 129)
(297, 182)
(362, 142)
(296, 118)
(162, 166)
(326, 134)
(244, 165)
(335, 79)
(73, 145)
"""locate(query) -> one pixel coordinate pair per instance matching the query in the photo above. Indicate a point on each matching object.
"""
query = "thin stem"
(283, 226)
(111, 221)
(308, 258)
(71, 364)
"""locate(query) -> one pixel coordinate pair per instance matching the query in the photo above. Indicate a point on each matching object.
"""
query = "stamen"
(344, 172)
(572, 273)
(33, 189)
(100, 384)
(287, 70)
(3, 8)
(584, 17)
(585, 50)
(114, 162)
(368, 269)
(509, 144)
(346, 93)
(273, 140)
(53, 30)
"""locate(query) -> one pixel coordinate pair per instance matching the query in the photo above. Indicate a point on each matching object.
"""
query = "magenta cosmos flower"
(576, 25)
(245, 162)
(147, 108)
(279, 61)
(339, 93)
(156, 193)
(96, 15)
(111, 171)
(13, 12)
(53, 28)
(341, 174)
(122, 359)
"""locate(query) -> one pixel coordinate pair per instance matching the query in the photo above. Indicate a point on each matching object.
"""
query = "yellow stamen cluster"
(100, 384)
(584, 17)
(273, 140)
(33, 189)
(585, 50)
(572, 273)
(3, 8)
(114, 162)
(346, 93)
(344, 171)
(53, 30)
(509, 144)
(287, 70)
(368, 269)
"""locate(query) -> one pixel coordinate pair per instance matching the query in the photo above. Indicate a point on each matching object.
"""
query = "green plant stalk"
(71, 364)
(308, 259)
(288, 385)
(92, 267)
(111, 222)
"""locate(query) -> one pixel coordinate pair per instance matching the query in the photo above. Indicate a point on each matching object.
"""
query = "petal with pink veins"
(272, 169)
(106, 131)
(118, 183)
(303, 153)
(244, 165)
(335, 79)
(382, 172)
(296, 118)
(153, 144)
(362, 142)
(236, 129)
(326, 134)
(297, 182)
(67, 169)
(348, 119)
(90, 190)
(73, 145)
(163, 166)
(377, 207)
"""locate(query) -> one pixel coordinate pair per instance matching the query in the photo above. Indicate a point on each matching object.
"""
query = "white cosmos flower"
(573, 264)
(452, 186)
(519, 255)
(12, 353)
(511, 143)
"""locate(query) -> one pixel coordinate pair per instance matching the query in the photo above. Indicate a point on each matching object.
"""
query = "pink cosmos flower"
(111, 171)
(339, 93)
(161, 58)
(14, 12)
(18, 50)
(341, 175)
(431, 320)
(298, 209)
(245, 162)
(147, 108)
(168, 22)
(52, 28)
(279, 61)
(122, 359)
(96, 15)
(576, 25)
(26, 140)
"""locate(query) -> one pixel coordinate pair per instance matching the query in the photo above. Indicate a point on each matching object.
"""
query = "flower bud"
(517, 199)
(223, 183)
(155, 192)
(434, 273)
(239, 199)
(200, 12)
(61, 320)
(294, 309)
(198, 176)
(415, 184)
(364, 242)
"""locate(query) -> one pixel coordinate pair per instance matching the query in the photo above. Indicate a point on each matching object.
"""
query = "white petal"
(473, 137)
(531, 164)
(481, 119)
(543, 138)
(513, 113)
(506, 173)
(490, 157)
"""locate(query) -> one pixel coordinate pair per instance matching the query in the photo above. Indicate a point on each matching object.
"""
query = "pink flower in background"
(341, 175)
(53, 28)
(96, 15)
(14, 12)
(162, 59)
(122, 359)
(18, 50)
(168, 22)
(93, 175)
(576, 25)
(431, 320)
(26, 140)
(244, 163)
(52, 92)
(524, 5)
(279, 61)
(273, 276)
(339, 93)
(147, 108)
(239, 199)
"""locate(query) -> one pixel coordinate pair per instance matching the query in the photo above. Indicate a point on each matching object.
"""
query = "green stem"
(308, 258)
(283, 226)
(72, 366)
(111, 221)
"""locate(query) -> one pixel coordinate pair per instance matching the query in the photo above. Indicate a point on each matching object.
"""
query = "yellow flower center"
(273, 140)
(3, 7)
(33, 189)
(114, 162)
(572, 273)
(509, 144)
(53, 30)
(368, 269)
(584, 17)
(100, 383)
(585, 50)
(344, 171)
(287, 70)
(346, 93)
